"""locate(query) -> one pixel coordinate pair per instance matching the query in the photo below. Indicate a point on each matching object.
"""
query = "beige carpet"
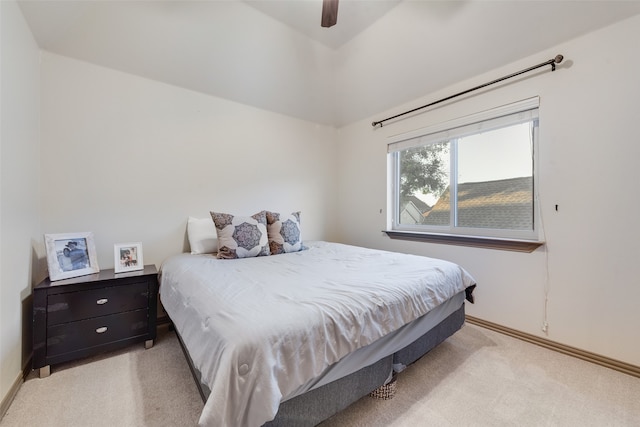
(131, 387)
(483, 378)
(476, 378)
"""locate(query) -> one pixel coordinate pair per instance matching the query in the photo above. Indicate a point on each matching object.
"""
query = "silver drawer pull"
(102, 301)
(101, 330)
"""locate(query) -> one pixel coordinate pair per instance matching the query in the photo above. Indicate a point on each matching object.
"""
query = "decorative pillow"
(241, 236)
(284, 233)
(202, 235)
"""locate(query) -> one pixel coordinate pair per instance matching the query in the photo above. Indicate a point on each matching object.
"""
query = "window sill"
(476, 242)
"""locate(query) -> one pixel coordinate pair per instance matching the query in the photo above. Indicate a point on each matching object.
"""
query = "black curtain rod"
(558, 59)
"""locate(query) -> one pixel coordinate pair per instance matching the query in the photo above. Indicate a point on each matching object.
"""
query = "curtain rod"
(558, 59)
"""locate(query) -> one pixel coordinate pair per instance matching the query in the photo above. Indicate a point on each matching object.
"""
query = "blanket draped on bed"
(258, 328)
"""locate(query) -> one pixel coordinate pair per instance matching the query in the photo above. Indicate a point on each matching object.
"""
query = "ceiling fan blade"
(329, 13)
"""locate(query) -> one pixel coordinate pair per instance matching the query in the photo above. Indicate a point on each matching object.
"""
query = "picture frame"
(71, 255)
(127, 257)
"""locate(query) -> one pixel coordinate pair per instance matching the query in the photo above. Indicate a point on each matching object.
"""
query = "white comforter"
(258, 328)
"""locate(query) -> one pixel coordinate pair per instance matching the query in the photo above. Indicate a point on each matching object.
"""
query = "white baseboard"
(624, 367)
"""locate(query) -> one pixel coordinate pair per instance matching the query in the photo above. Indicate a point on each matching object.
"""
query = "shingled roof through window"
(502, 204)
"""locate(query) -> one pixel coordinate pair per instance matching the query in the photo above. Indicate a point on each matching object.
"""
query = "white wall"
(19, 192)
(130, 159)
(587, 166)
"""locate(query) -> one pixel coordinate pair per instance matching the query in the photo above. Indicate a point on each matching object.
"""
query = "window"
(474, 176)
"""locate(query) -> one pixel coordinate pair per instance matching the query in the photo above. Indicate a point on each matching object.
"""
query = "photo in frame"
(127, 257)
(70, 255)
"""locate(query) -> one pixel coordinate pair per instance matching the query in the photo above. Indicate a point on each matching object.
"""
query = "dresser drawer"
(93, 332)
(72, 306)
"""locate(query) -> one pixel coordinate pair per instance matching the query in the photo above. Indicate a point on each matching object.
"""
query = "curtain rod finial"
(558, 59)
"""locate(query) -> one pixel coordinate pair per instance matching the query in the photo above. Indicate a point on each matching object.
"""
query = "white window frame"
(511, 114)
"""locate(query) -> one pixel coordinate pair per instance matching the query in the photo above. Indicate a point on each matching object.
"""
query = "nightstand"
(87, 315)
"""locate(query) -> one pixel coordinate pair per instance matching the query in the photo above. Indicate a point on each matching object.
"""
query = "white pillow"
(203, 238)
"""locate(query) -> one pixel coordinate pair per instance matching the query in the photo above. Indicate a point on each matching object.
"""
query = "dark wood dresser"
(87, 315)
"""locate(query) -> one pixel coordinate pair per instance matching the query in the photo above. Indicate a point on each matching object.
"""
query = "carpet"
(477, 377)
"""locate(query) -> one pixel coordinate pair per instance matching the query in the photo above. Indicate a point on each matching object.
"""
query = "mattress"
(262, 330)
(387, 345)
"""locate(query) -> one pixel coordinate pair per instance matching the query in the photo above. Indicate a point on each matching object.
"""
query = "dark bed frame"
(317, 405)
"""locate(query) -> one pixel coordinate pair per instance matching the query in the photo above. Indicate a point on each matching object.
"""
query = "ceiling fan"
(329, 13)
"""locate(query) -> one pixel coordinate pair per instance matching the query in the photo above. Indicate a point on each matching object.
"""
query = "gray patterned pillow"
(284, 233)
(241, 236)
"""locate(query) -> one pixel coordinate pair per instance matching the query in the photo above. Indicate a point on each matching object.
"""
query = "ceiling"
(354, 16)
(273, 54)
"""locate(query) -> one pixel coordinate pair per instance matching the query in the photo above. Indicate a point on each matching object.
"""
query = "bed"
(291, 339)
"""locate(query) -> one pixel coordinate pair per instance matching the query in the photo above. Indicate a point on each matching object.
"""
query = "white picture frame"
(127, 257)
(71, 255)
